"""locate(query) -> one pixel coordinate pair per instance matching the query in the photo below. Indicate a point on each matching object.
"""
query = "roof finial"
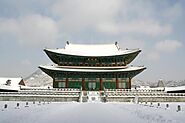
(67, 42)
(116, 43)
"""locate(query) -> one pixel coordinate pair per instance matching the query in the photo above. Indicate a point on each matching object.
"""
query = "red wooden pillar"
(117, 83)
(129, 83)
(66, 82)
(83, 83)
(100, 84)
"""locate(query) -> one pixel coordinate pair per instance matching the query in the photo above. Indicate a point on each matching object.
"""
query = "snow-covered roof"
(92, 70)
(13, 81)
(94, 67)
(93, 50)
(10, 83)
(178, 88)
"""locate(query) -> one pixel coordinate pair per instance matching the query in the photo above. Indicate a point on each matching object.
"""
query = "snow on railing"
(63, 92)
(140, 93)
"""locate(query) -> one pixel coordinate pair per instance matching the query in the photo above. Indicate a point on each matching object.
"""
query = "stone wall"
(145, 99)
(38, 98)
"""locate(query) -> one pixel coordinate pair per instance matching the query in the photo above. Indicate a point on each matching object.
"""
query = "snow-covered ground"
(73, 112)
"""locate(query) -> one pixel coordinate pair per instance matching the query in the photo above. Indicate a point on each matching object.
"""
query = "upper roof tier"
(93, 50)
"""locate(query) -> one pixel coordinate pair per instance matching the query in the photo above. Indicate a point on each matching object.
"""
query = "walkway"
(89, 113)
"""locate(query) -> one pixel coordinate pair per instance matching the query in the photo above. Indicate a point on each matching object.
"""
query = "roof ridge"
(69, 43)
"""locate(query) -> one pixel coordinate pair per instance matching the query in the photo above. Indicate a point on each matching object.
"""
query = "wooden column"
(117, 83)
(83, 83)
(66, 82)
(54, 83)
(116, 61)
(125, 62)
(100, 84)
(129, 83)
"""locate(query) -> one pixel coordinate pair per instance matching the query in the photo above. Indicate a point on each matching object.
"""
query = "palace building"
(92, 67)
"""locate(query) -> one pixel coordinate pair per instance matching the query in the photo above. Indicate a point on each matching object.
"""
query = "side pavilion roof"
(11, 84)
(13, 81)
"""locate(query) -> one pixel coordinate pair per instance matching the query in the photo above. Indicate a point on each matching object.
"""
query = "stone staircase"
(91, 96)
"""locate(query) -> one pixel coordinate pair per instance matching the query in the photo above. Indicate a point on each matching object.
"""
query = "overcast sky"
(157, 27)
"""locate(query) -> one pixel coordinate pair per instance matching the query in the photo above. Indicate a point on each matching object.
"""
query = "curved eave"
(53, 71)
(49, 54)
(119, 53)
(59, 69)
(52, 53)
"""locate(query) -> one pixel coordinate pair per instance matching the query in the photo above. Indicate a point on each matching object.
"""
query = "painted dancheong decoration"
(92, 67)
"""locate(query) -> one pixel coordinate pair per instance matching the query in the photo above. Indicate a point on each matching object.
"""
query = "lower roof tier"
(59, 71)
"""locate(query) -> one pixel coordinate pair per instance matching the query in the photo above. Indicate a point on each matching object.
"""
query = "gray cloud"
(134, 24)
(168, 45)
(114, 17)
(33, 30)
